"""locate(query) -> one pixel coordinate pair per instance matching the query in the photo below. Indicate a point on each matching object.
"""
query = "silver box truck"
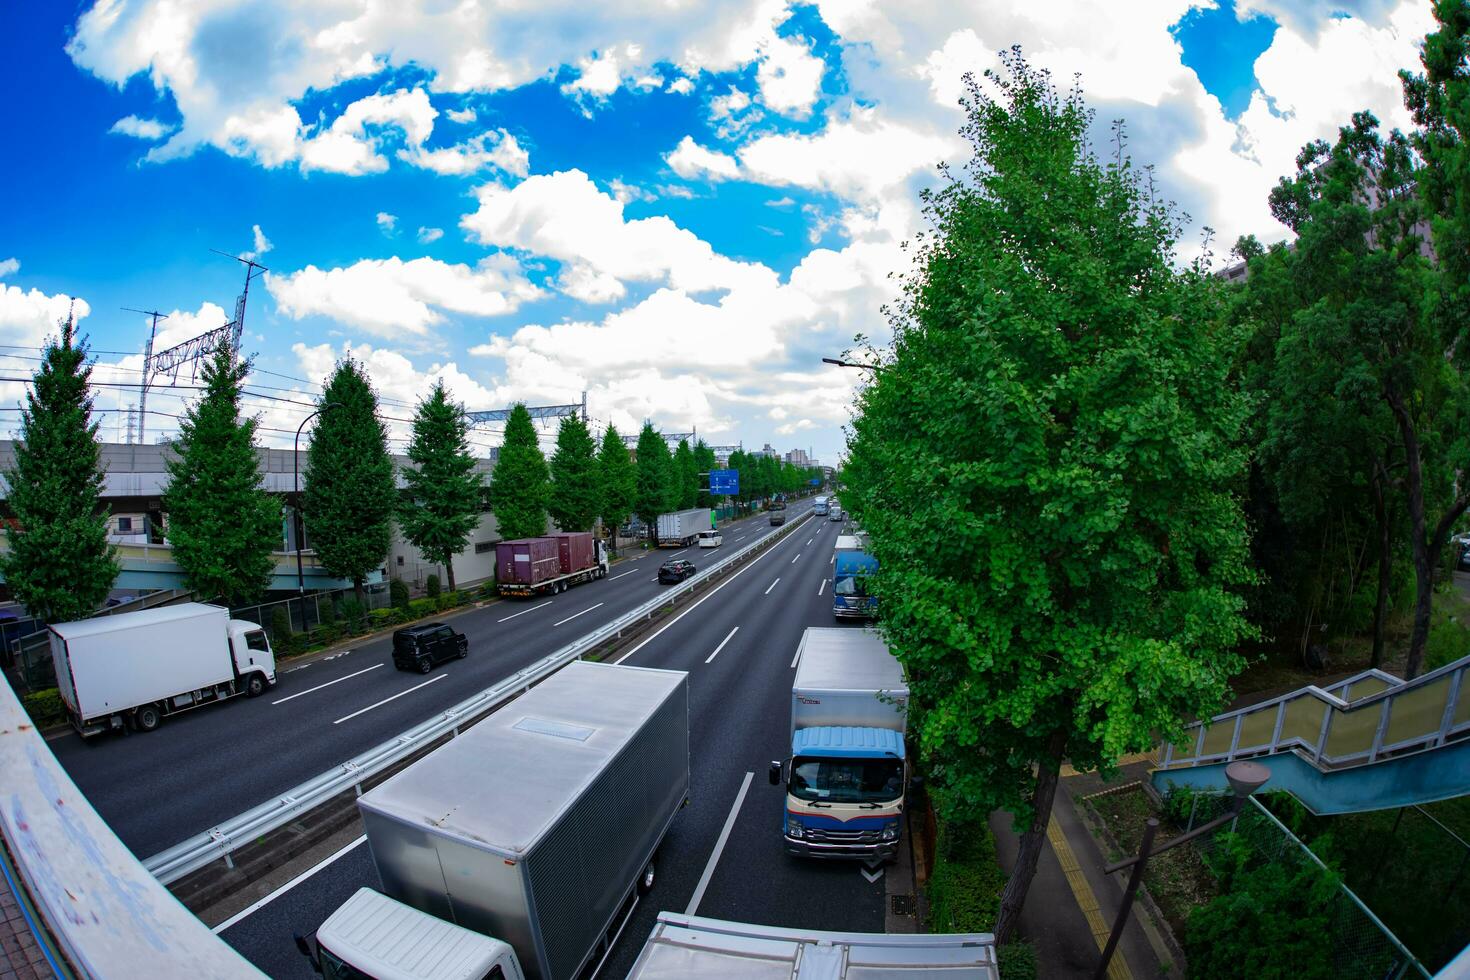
(138, 667)
(680, 528)
(533, 827)
(690, 947)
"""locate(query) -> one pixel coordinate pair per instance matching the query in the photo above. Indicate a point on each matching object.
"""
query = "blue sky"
(679, 210)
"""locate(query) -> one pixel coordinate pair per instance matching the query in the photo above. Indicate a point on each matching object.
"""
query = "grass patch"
(964, 888)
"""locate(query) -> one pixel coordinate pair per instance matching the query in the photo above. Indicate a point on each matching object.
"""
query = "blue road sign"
(815, 481)
(724, 483)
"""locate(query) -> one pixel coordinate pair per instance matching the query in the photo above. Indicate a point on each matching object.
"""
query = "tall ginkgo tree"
(442, 490)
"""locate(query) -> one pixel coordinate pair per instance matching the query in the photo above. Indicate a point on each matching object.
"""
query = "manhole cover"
(902, 904)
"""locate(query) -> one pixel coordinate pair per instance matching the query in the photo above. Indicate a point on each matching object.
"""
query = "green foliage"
(431, 586)
(59, 564)
(1048, 466)
(617, 480)
(1271, 919)
(686, 477)
(704, 462)
(352, 613)
(441, 500)
(576, 491)
(964, 890)
(282, 637)
(451, 599)
(44, 707)
(350, 495)
(222, 523)
(1017, 960)
(656, 492)
(520, 485)
(1449, 637)
(378, 618)
(398, 593)
(419, 608)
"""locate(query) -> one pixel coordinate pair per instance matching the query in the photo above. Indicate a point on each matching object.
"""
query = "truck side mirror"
(775, 774)
(304, 945)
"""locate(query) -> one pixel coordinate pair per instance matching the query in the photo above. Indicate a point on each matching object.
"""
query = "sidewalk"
(1071, 905)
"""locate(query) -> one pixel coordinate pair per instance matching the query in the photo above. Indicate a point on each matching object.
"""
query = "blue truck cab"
(851, 567)
(847, 773)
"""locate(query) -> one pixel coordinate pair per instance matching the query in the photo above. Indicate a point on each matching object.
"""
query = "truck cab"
(255, 662)
(373, 936)
(851, 567)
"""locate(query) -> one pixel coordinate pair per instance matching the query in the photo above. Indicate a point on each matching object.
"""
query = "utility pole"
(147, 360)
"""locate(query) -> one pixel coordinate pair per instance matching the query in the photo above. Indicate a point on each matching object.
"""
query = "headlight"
(793, 827)
(890, 830)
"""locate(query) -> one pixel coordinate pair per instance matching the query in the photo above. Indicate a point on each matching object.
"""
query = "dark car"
(421, 647)
(1464, 563)
(675, 570)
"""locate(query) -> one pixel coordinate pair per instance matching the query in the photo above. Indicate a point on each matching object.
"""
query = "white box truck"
(847, 773)
(681, 528)
(530, 832)
(692, 947)
(136, 668)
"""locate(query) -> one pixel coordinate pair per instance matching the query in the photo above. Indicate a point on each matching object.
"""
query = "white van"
(711, 539)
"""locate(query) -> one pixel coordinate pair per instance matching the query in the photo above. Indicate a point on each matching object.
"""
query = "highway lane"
(738, 644)
(202, 767)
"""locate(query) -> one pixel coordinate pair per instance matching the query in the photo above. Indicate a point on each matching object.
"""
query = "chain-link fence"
(312, 609)
(1363, 946)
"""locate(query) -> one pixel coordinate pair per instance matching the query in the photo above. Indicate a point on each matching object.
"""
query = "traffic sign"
(815, 481)
(724, 483)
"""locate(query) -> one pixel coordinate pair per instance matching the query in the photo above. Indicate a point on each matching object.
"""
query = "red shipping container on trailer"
(575, 550)
(526, 562)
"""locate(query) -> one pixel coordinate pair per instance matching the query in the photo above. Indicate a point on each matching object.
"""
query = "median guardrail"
(221, 841)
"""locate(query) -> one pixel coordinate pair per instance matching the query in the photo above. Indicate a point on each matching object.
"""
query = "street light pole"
(296, 492)
(854, 364)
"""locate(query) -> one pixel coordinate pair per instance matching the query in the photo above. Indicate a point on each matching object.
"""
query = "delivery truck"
(523, 842)
(819, 506)
(692, 947)
(847, 774)
(852, 566)
(681, 528)
(135, 669)
(548, 564)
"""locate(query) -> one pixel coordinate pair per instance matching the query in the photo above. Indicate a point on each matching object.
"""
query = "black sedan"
(675, 570)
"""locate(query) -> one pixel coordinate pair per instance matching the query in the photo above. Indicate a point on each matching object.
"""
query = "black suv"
(421, 647)
(675, 570)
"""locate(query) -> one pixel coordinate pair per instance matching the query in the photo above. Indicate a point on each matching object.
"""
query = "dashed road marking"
(395, 697)
(575, 615)
(714, 858)
(524, 611)
(298, 694)
(772, 586)
(722, 645)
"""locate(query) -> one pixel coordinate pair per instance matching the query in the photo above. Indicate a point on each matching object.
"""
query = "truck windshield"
(846, 780)
(335, 968)
(850, 585)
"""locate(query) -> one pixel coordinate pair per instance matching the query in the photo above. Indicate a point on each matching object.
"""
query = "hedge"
(964, 890)
(44, 707)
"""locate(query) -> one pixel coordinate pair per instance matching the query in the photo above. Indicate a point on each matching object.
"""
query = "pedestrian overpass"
(1370, 742)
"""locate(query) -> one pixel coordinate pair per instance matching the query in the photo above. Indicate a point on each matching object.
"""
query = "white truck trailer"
(691, 947)
(531, 831)
(847, 773)
(136, 668)
(681, 528)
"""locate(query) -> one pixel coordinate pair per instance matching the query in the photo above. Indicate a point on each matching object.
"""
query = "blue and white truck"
(847, 773)
(819, 506)
(851, 567)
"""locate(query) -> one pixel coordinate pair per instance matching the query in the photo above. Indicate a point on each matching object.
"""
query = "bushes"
(378, 618)
(964, 890)
(283, 638)
(353, 618)
(419, 608)
(431, 587)
(398, 594)
(44, 707)
(1017, 960)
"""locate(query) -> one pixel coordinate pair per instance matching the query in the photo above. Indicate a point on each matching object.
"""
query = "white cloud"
(427, 236)
(681, 85)
(690, 160)
(465, 115)
(387, 223)
(143, 129)
(780, 202)
(28, 317)
(733, 113)
(603, 74)
(628, 192)
(262, 244)
(494, 149)
(790, 77)
(390, 297)
(9, 267)
(348, 147)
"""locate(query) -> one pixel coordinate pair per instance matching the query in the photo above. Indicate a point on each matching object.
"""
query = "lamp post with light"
(296, 493)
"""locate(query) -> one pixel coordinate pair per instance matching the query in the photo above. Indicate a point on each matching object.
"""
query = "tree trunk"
(1013, 897)
(449, 569)
(1423, 572)
(1385, 563)
(358, 593)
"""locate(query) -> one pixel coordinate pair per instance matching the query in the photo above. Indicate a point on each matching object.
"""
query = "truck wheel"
(146, 718)
(254, 686)
(425, 666)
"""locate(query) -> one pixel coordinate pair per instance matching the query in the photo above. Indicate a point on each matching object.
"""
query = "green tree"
(617, 481)
(740, 462)
(350, 496)
(440, 504)
(59, 565)
(520, 485)
(655, 479)
(1047, 466)
(704, 462)
(686, 476)
(222, 523)
(576, 492)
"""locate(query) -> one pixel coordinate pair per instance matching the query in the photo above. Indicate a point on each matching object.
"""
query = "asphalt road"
(202, 767)
(740, 716)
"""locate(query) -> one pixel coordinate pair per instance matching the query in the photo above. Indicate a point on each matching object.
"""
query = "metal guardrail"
(219, 842)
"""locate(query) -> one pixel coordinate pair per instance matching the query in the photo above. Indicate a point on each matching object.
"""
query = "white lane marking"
(822, 588)
(628, 572)
(575, 615)
(871, 876)
(679, 552)
(811, 539)
(748, 566)
(772, 586)
(722, 644)
(714, 858)
(262, 903)
(793, 560)
(386, 700)
(327, 684)
(833, 559)
(524, 611)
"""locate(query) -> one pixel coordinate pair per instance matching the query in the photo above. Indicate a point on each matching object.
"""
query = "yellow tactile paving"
(1086, 900)
(1127, 760)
